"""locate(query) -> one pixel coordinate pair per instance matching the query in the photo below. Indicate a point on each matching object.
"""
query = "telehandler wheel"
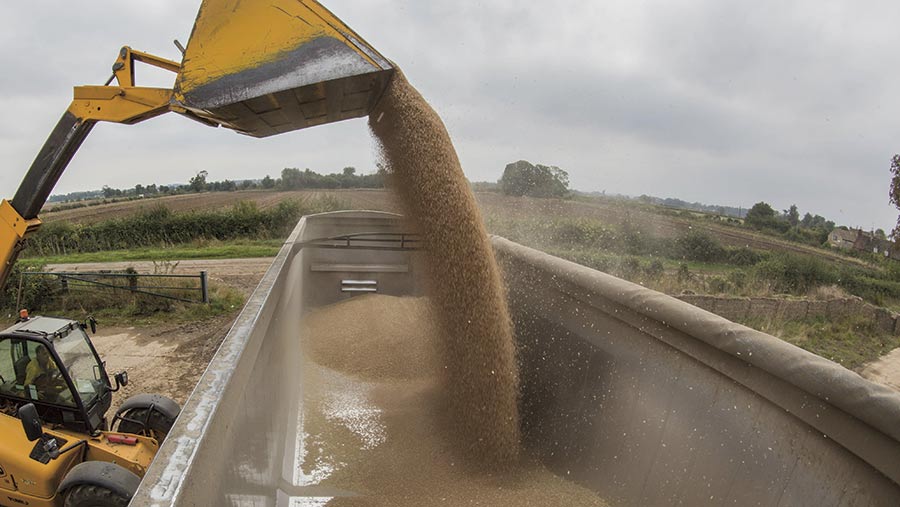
(158, 425)
(87, 495)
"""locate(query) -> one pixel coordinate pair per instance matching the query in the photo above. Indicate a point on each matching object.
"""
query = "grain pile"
(373, 436)
(375, 337)
(476, 347)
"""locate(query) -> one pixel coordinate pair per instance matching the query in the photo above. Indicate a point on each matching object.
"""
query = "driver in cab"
(43, 374)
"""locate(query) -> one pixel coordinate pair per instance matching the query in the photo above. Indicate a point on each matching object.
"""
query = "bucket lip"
(316, 63)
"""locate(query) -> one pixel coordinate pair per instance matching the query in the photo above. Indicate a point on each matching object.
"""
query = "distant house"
(867, 242)
(862, 241)
(839, 238)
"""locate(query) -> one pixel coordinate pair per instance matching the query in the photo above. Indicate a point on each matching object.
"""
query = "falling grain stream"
(436, 377)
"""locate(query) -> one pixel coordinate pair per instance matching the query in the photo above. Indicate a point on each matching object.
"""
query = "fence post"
(19, 292)
(204, 287)
(132, 278)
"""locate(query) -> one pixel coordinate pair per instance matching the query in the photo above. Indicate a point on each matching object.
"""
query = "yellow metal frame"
(126, 103)
(120, 104)
(35, 483)
(123, 69)
(13, 229)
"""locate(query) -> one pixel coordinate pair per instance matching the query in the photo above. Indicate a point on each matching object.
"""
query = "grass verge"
(851, 342)
(223, 300)
(126, 310)
(230, 250)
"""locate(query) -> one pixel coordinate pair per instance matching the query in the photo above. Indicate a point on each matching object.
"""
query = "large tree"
(198, 182)
(524, 178)
(761, 216)
(792, 215)
(895, 192)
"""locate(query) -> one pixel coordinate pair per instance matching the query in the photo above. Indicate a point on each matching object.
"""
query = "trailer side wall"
(651, 401)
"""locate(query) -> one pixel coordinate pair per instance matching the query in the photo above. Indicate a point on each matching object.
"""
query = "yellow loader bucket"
(263, 67)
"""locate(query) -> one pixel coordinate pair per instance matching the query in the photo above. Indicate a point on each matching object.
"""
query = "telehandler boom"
(258, 67)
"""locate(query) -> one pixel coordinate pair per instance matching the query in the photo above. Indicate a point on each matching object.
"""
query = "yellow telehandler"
(259, 67)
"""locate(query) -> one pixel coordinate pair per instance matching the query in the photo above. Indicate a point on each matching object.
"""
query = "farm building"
(857, 239)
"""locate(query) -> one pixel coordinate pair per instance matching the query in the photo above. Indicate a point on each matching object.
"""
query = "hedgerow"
(160, 226)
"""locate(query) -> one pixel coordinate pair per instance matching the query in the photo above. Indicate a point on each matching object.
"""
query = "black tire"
(158, 426)
(94, 496)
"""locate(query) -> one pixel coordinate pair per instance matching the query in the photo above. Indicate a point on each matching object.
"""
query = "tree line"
(811, 229)
(291, 179)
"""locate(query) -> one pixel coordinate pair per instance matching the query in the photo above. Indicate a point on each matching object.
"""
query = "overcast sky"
(707, 100)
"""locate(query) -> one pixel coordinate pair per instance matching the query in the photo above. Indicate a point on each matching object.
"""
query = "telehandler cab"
(51, 372)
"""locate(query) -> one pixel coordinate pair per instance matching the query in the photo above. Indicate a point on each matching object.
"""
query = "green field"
(238, 249)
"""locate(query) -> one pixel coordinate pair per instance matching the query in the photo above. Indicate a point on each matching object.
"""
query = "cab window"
(7, 368)
(82, 365)
(29, 372)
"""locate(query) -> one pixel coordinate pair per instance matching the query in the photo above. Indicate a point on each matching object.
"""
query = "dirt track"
(885, 370)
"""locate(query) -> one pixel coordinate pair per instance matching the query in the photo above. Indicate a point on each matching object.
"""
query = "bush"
(34, 289)
(634, 241)
(738, 279)
(700, 246)
(795, 274)
(860, 283)
(744, 257)
(717, 285)
(684, 274)
(593, 260)
(581, 233)
(629, 267)
(654, 270)
(892, 270)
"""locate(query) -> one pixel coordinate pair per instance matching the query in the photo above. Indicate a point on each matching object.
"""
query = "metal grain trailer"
(640, 397)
